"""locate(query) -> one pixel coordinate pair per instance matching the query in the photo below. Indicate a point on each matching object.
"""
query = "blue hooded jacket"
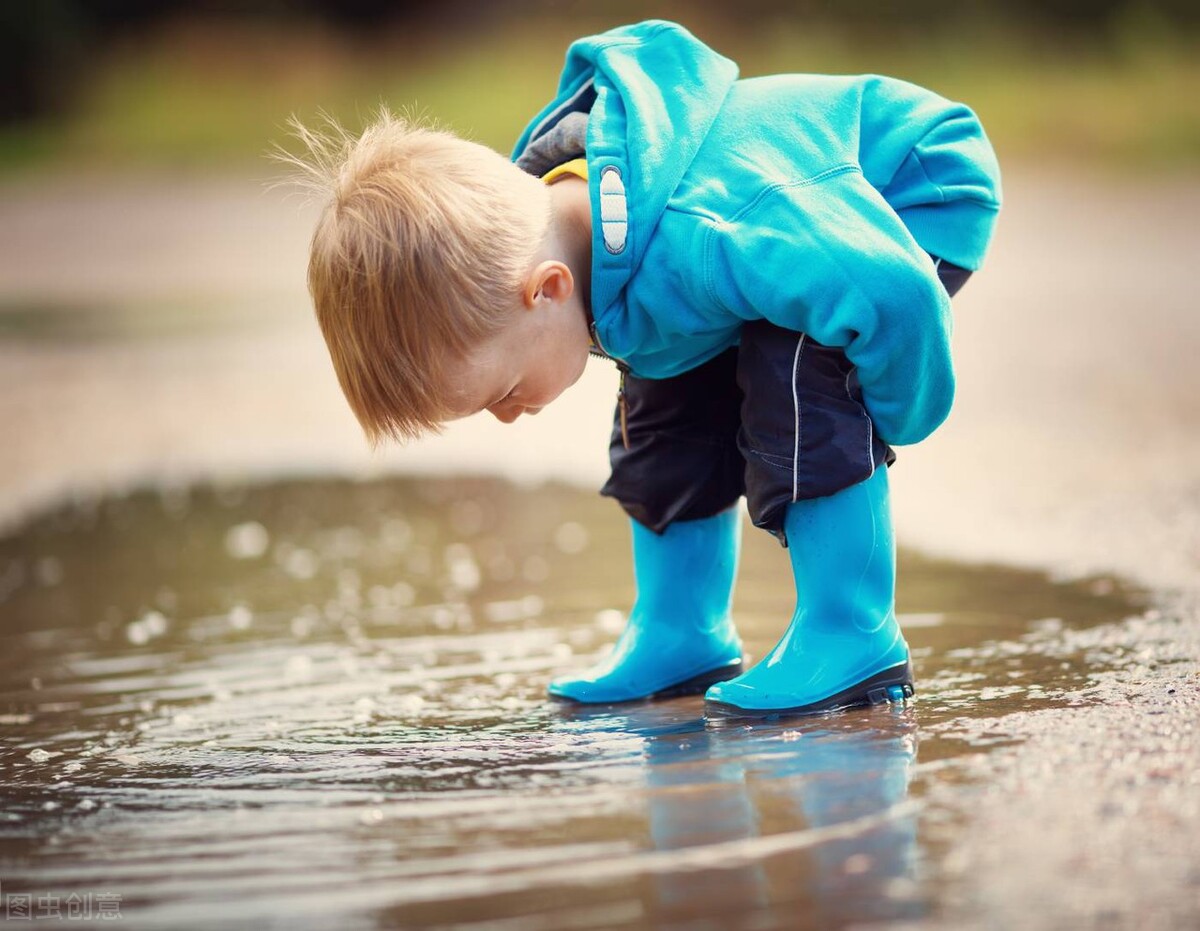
(812, 201)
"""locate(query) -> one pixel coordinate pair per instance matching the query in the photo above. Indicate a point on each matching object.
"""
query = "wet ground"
(320, 703)
(251, 675)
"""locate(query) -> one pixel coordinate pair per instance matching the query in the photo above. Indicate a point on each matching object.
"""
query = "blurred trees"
(128, 83)
(40, 48)
(46, 45)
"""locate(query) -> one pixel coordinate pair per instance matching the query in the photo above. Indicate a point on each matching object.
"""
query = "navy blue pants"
(778, 418)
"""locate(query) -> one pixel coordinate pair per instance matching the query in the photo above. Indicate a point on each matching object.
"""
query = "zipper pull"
(623, 413)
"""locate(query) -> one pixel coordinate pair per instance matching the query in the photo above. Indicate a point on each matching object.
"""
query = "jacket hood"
(652, 92)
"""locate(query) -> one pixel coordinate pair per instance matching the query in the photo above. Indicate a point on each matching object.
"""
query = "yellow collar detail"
(576, 167)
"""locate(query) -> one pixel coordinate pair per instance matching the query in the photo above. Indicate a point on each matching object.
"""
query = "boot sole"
(696, 685)
(891, 685)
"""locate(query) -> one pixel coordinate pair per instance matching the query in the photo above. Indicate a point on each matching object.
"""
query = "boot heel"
(892, 685)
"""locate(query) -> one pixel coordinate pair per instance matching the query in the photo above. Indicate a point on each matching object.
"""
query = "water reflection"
(806, 822)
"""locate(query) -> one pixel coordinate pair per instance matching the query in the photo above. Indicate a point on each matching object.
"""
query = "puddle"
(320, 703)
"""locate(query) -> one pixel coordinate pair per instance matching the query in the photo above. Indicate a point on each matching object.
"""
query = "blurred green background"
(147, 84)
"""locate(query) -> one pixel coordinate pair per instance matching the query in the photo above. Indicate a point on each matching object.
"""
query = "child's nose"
(506, 414)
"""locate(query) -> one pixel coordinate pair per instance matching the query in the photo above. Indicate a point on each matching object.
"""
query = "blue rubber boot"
(679, 639)
(844, 646)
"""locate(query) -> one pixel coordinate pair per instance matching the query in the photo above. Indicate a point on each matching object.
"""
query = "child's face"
(528, 364)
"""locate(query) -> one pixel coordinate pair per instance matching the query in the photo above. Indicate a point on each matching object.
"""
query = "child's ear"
(550, 280)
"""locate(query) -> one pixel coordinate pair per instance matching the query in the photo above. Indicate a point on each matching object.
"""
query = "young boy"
(770, 264)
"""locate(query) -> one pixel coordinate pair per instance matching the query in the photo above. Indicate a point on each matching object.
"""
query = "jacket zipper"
(596, 349)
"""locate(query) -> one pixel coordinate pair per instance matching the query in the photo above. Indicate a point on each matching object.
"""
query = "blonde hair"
(418, 256)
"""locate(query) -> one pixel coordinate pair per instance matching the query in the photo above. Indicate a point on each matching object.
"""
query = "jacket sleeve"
(931, 160)
(830, 258)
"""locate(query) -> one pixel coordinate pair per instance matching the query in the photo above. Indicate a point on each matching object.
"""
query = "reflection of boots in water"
(698, 798)
(680, 636)
(826, 835)
(763, 825)
(694, 797)
(843, 646)
(852, 786)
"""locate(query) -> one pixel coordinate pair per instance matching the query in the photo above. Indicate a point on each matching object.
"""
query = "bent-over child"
(769, 262)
